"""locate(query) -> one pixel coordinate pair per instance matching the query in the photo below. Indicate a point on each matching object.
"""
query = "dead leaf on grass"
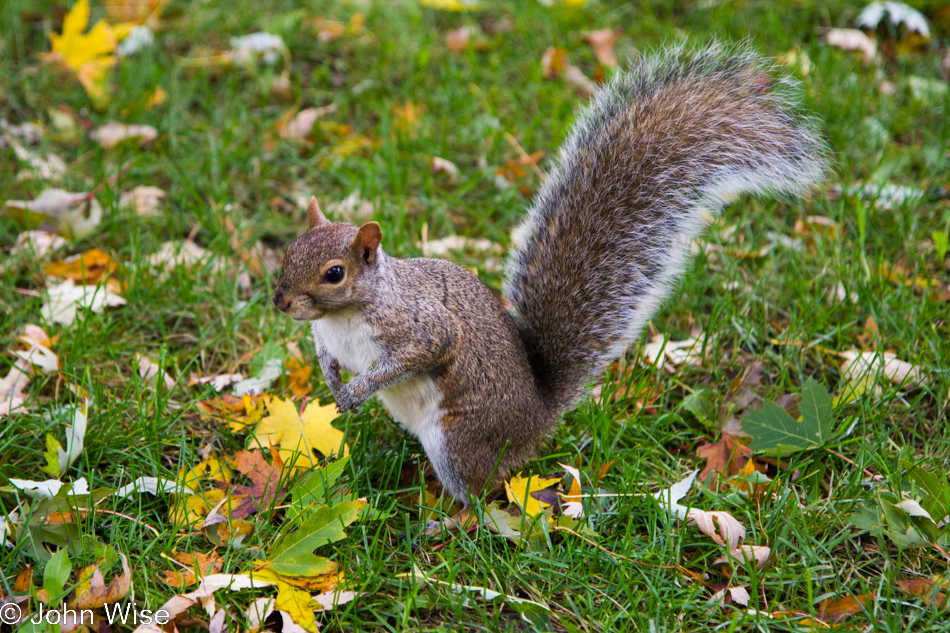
(266, 485)
(75, 215)
(185, 576)
(457, 39)
(149, 370)
(145, 201)
(113, 133)
(65, 299)
(92, 592)
(836, 610)
(603, 42)
(89, 268)
(852, 40)
(726, 458)
(442, 166)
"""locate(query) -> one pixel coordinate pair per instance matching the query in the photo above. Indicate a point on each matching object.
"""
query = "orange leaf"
(838, 610)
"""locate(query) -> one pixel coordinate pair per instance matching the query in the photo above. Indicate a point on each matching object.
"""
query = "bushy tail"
(657, 153)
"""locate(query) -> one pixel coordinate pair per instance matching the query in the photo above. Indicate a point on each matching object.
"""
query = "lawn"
(780, 296)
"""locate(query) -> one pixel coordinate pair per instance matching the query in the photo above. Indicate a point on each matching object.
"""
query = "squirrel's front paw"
(349, 397)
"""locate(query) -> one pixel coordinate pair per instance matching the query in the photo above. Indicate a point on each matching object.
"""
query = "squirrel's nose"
(281, 301)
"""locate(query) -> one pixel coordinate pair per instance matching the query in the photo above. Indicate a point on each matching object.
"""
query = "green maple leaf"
(293, 554)
(775, 431)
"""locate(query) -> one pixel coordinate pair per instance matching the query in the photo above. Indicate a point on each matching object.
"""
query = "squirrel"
(657, 152)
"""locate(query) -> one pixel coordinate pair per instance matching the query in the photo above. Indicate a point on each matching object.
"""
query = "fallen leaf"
(443, 247)
(113, 133)
(50, 487)
(452, 5)
(190, 511)
(49, 167)
(554, 62)
(172, 255)
(746, 554)
(726, 458)
(931, 589)
(148, 371)
(928, 89)
(298, 605)
(603, 42)
(860, 369)
(852, 40)
(573, 505)
(330, 599)
(74, 214)
(774, 431)
(837, 610)
(687, 352)
(574, 75)
(38, 243)
(89, 268)
(897, 13)
(59, 460)
(298, 376)
(441, 166)
(66, 298)
(91, 591)
(520, 489)
(204, 593)
(39, 357)
(300, 433)
(299, 125)
(151, 485)
(220, 382)
(203, 563)
(722, 527)
(407, 117)
(353, 209)
(137, 11)
(89, 55)
(259, 611)
(144, 201)
(457, 39)
(267, 486)
(730, 595)
(263, 46)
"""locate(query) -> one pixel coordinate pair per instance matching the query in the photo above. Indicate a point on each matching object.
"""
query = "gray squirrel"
(650, 161)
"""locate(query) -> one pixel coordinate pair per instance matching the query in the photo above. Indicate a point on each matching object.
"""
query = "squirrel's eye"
(335, 274)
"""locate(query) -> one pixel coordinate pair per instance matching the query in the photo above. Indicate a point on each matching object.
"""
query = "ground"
(767, 285)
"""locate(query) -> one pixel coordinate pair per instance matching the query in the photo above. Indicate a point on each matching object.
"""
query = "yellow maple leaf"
(519, 491)
(89, 55)
(298, 605)
(299, 433)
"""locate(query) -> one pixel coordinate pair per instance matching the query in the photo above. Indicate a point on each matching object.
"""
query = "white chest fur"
(415, 402)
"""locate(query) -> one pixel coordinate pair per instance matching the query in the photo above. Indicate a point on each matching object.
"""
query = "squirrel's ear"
(367, 240)
(314, 216)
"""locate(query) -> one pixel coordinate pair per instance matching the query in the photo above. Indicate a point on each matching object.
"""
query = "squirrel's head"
(324, 268)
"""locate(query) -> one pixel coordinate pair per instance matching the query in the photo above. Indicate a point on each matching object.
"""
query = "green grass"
(211, 154)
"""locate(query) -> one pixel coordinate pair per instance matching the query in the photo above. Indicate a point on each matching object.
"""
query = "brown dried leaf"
(554, 62)
(726, 458)
(927, 588)
(204, 563)
(92, 592)
(837, 610)
(574, 75)
(603, 42)
(852, 40)
(266, 485)
(457, 39)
